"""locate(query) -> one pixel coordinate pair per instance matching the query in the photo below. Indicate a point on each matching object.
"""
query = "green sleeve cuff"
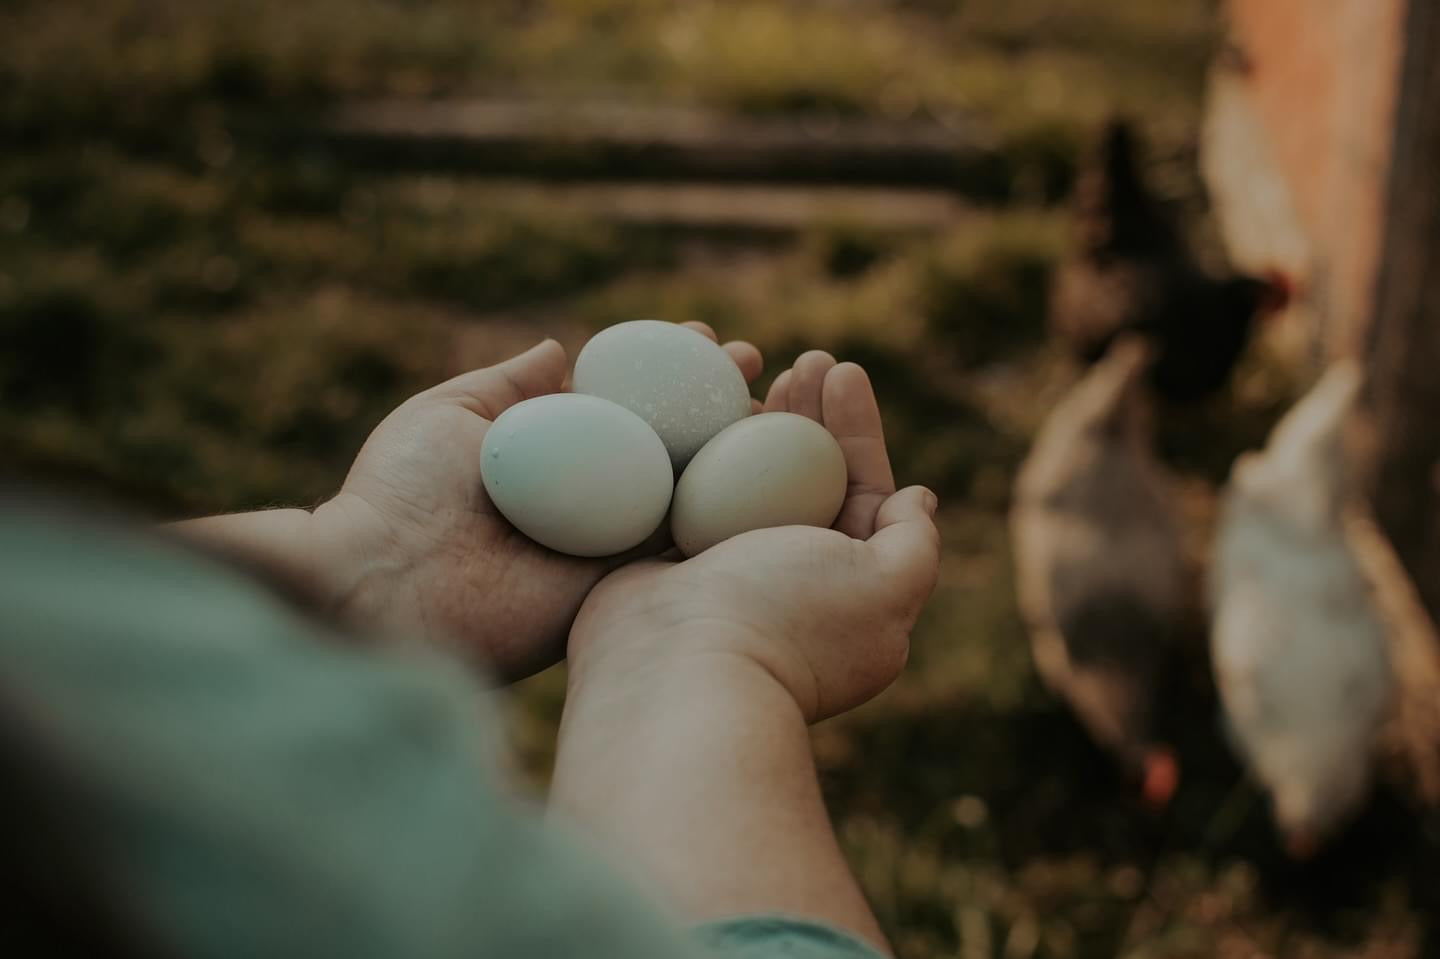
(780, 937)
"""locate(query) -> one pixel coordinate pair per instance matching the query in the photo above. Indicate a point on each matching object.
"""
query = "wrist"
(354, 557)
(642, 656)
(618, 702)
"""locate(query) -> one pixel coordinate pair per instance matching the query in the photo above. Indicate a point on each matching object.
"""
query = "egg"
(677, 380)
(771, 469)
(576, 473)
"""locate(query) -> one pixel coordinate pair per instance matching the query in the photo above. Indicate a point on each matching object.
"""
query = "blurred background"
(234, 235)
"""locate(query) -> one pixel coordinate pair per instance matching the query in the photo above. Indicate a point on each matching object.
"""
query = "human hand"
(430, 550)
(827, 613)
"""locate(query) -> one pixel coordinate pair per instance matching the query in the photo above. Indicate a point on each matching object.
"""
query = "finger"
(808, 383)
(704, 329)
(853, 417)
(778, 399)
(494, 389)
(747, 357)
(906, 542)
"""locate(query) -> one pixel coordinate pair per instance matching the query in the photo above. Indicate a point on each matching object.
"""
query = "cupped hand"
(827, 612)
(432, 553)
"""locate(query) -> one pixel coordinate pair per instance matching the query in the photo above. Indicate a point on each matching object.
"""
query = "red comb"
(1281, 292)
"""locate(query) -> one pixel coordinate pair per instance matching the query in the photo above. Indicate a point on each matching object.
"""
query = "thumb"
(494, 389)
(906, 542)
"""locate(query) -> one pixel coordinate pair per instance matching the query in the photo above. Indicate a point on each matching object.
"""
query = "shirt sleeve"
(780, 937)
(263, 788)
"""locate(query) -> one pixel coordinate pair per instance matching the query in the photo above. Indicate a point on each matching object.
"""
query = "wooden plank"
(1404, 338)
(743, 206)
(623, 141)
(1399, 439)
(1297, 153)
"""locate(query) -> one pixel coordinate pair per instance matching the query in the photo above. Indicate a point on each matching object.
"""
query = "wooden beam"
(765, 207)
(603, 140)
(1403, 348)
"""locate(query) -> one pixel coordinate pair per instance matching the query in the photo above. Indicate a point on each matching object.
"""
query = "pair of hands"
(826, 612)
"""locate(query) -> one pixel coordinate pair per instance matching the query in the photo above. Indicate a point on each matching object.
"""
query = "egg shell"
(578, 474)
(771, 469)
(677, 380)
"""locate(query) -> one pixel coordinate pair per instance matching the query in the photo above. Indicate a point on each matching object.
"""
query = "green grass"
(194, 320)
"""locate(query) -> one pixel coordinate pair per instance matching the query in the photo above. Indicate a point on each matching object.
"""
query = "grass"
(195, 320)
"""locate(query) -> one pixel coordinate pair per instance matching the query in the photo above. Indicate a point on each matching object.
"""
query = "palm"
(466, 573)
(454, 565)
(803, 601)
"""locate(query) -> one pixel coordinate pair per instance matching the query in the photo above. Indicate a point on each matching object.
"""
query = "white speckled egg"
(679, 381)
(772, 469)
(578, 474)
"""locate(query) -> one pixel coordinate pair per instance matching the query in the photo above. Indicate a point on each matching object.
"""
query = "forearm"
(698, 772)
(322, 549)
(277, 536)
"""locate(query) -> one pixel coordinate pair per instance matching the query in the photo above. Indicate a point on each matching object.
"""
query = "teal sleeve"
(780, 937)
(265, 788)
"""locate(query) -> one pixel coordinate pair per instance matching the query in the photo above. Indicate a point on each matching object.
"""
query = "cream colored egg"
(578, 474)
(772, 469)
(679, 381)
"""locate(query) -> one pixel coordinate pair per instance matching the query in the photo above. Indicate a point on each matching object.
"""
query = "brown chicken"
(1130, 270)
(1102, 578)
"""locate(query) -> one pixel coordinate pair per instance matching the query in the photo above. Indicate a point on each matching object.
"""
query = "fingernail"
(932, 502)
